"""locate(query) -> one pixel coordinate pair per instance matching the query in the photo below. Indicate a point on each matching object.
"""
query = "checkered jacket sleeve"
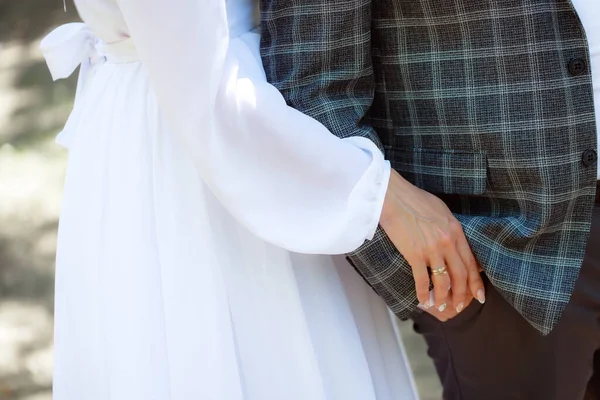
(318, 54)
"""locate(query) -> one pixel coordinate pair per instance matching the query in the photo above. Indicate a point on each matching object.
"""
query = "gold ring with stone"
(439, 271)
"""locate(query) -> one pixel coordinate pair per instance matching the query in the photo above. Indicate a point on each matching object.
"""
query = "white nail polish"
(442, 307)
(460, 307)
(431, 299)
(481, 296)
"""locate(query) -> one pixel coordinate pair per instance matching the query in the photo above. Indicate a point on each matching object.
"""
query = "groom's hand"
(426, 233)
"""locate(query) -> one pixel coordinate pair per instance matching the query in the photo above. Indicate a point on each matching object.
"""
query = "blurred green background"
(33, 109)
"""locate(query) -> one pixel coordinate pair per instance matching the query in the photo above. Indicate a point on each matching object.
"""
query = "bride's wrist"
(395, 196)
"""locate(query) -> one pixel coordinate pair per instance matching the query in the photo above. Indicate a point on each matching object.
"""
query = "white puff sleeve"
(280, 173)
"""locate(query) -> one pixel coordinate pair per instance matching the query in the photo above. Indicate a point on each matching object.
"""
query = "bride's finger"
(421, 276)
(441, 283)
(416, 259)
(473, 270)
(458, 278)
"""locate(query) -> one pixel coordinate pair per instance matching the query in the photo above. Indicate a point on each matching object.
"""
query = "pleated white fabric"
(161, 292)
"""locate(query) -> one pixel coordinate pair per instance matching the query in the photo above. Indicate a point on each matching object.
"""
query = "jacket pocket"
(442, 171)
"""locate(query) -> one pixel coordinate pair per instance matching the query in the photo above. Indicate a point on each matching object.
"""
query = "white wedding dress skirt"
(160, 294)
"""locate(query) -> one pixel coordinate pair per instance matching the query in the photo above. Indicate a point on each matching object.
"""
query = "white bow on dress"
(72, 45)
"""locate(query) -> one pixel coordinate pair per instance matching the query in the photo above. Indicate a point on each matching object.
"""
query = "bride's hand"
(449, 312)
(427, 234)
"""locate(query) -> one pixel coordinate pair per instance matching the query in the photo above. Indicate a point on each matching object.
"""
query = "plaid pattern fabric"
(472, 100)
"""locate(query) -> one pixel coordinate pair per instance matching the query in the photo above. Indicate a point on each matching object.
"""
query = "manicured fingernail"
(442, 307)
(460, 307)
(481, 296)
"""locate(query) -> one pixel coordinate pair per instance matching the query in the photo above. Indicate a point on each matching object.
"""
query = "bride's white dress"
(172, 282)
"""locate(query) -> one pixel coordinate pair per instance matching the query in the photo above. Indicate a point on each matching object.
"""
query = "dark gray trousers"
(489, 352)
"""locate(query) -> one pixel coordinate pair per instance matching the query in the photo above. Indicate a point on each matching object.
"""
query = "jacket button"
(589, 158)
(577, 66)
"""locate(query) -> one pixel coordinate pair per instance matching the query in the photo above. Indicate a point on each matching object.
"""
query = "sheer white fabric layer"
(160, 292)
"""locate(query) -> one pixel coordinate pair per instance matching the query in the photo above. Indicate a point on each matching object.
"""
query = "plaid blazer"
(486, 103)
